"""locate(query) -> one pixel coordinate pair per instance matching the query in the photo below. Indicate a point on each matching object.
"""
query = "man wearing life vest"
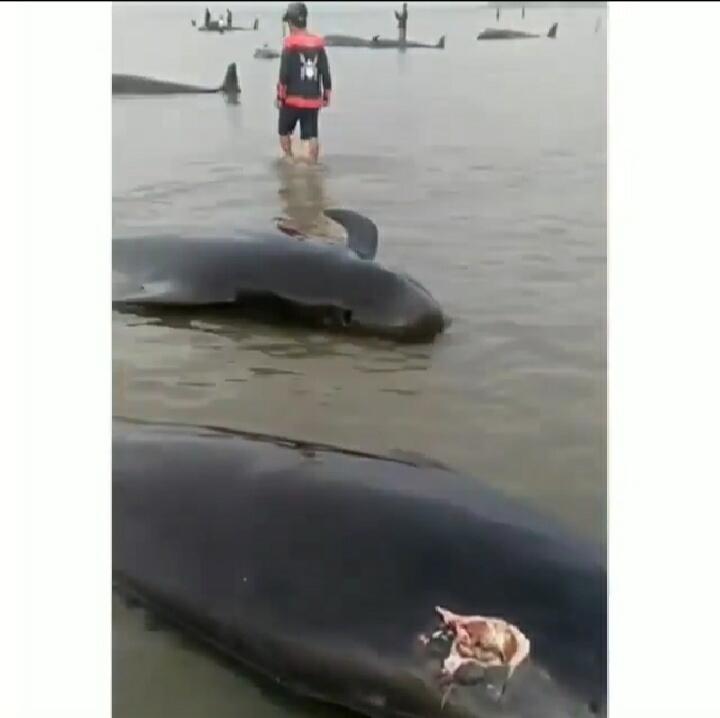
(304, 84)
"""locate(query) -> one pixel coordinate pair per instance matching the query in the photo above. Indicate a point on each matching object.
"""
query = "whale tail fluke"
(553, 30)
(441, 43)
(362, 232)
(230, 83)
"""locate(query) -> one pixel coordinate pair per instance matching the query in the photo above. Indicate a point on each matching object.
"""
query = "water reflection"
(303, 197)
(232, 98)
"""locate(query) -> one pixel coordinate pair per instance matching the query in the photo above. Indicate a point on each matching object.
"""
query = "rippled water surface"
(484, 166)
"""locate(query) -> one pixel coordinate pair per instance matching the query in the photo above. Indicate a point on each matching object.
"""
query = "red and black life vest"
(304, 72)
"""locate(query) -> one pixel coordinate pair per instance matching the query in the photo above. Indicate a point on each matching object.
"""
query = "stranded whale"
(390, 588)
(276, 277)
(498, 34)
(139, 85)
(266, 53)
(377, 42)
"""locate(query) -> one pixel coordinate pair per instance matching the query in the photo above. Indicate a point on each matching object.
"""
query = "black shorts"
(289, 117)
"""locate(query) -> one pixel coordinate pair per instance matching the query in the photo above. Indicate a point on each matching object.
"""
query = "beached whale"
(499, 34)
(139, 85)
(266, 53)
(395, 589)
(381, 43)
(377, 42)
(278, 277)
(345, 41)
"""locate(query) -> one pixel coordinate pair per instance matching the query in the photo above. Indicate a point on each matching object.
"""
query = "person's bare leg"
(286, 146)
(313, 150)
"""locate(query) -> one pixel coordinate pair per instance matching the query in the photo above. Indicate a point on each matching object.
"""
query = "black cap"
(296, 12)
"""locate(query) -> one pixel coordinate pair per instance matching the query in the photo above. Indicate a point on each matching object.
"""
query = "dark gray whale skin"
(346, 41)
(318, 568)
(383, 43)
(266, 53)
(273, 276)
(377, 42)
(140, 85)
(492, 33)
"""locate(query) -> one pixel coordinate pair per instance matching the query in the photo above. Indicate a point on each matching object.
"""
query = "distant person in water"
(221, 22)
(497, 14)
(229, 18)
(207, 17)
(304, 84)
(523, 12)
(402, 18)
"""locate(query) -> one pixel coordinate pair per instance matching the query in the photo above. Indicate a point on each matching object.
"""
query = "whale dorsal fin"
(230, 83)
(362, 232)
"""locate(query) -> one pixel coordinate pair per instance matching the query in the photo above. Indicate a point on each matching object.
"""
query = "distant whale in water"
(266, 53)
(346, 41)
(377, 42)
(497, 34)
(276, 277)
(139, 85)
(393, 588)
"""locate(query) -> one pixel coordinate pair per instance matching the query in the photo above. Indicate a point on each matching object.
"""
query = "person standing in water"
(497, 13)
(304, 84)
(207, 17)
(523, 12)
(402, 18)
(229, 18)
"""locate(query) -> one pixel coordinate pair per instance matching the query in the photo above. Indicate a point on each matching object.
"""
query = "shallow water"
(484, 166)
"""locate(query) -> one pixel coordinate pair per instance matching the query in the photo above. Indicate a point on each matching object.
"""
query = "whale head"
(380, 302)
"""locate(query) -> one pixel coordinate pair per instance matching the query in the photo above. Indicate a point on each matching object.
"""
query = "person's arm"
(324, 68)
(282, 78)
